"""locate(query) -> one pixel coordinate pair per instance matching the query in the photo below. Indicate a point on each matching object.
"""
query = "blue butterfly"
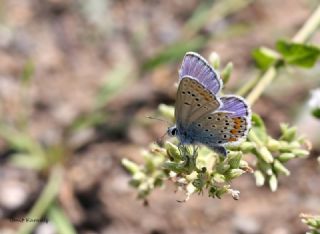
(202, 117)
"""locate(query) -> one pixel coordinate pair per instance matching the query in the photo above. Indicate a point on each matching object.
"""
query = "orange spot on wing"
(237, 126)
(232, 139)
(237, 122)
(234, 131)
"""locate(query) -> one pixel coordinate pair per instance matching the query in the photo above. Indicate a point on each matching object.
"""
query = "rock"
(12, 195)
(246, 225)
(46, 228)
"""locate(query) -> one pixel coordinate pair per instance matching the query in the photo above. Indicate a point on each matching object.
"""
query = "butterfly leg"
(195, 150)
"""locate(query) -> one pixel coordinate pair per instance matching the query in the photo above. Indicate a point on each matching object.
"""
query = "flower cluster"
(195, 170)
(313, 222)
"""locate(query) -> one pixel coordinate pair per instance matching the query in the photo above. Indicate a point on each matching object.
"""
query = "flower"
(314, 102)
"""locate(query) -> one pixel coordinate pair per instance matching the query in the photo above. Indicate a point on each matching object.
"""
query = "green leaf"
(48, 195)
(173, 52)
(265, 154)
(60, 220)
(265, 57)
(119, 77)
(20, 141)
(260, 178)
(273, 183)
(280, 168)
(27, 72)
(172, 151)
(87, 121)
(199, 18)
(234, 158)
(316, 113)
(258, 127)
(288, 133)
(233, 173)
(301, 55)
(226, 72)
(219, 178)
(285, 157)
(131, 166)
(27, 161)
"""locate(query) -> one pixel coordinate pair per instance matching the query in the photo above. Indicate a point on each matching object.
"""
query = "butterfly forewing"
(196, 66)
(193, 102)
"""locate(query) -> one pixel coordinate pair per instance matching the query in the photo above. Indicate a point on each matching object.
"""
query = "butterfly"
(202, 116)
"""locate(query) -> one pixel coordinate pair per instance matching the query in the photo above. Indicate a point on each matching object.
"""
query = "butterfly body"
(202, 117)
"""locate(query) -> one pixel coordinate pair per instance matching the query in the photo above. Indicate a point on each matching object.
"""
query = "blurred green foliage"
(207, 12)
(265, 57)
(27, 72)
(30, 153)
(316, 113)
(194, 172)
(313, 222)
(173, 52)
(297, 54)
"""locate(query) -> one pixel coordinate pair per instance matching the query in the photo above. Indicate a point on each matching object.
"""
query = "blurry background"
(77, 79)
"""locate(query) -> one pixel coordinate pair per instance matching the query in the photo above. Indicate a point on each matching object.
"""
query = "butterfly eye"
(172, 131)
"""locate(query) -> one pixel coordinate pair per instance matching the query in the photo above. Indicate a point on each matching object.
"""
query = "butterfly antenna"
(160, 139)
(163, 120)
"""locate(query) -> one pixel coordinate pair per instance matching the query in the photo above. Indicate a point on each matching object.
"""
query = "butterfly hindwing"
(193, 102)
(219, 128)
(236, 105)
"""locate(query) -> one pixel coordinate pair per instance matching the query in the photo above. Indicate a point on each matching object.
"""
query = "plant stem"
(60, 220)
(265, 80)
(307, 30)
(46, 198)
(247, 86)
(309, 27)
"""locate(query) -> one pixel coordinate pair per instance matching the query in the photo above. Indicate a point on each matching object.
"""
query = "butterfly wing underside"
(193, 102)
(196, 66)
(202, 116)
(227, 125)
(219, 128)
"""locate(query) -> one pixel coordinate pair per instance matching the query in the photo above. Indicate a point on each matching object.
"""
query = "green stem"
(302, 35)
(309, 27)
(247, 86)
(60, 220)
(265, 80)
(46, 198)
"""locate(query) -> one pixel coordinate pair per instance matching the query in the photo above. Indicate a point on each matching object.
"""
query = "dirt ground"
(79, 48)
